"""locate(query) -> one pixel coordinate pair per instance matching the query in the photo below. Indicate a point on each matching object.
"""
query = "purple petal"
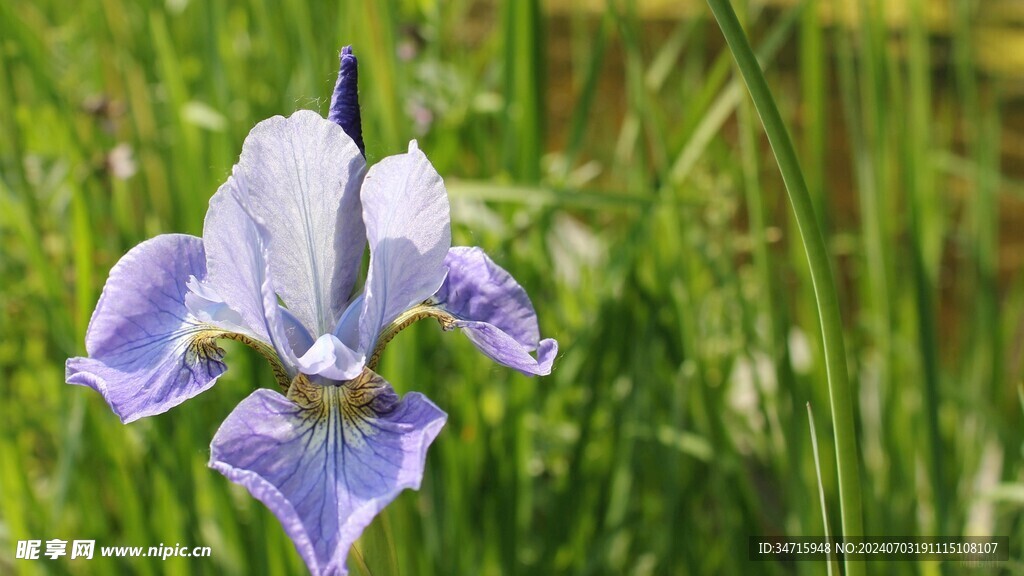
(244, 273)
(405, 208)
(495, 311)
(238, 256)
(480, 290)
(345, 100)
(147, 354)
(328, 459)
(503, 349)
(303, 175)
(235, 260)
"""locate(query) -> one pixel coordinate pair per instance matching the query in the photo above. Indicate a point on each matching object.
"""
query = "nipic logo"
(30, 549)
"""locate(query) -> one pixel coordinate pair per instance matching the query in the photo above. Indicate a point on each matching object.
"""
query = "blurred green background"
(607, 155)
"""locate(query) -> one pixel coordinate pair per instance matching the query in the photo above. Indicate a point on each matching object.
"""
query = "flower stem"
(840, 397)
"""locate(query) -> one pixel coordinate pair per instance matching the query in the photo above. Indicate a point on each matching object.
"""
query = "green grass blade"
(847, 456)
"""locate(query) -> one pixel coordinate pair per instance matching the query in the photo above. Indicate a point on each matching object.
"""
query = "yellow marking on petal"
(307, 395)
(203, 347)
(359, 401)
(404, 320)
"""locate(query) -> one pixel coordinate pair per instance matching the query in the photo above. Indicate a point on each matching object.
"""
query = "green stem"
(821, 273)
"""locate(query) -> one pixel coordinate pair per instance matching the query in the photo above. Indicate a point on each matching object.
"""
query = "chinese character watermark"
(56, 548)
(82, 549)
(28, 549)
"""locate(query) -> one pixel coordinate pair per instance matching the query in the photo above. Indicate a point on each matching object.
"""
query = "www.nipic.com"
(85, 549)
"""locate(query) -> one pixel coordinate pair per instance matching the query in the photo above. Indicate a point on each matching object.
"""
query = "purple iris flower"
(290, 226)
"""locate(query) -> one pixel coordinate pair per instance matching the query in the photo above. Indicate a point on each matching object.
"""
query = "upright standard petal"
(327, 459)
(203, 302)
(304, 174)
(345, 100)
(405, 208)
(147, 354)
(494, 311)
(237, 256)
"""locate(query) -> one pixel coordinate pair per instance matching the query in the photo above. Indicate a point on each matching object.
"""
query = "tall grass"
(612, 161)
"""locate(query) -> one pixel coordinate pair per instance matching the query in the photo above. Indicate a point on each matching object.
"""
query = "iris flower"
(275, 269)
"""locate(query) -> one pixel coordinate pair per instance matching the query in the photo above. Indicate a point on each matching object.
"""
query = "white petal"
(304, 175)
(405, 208)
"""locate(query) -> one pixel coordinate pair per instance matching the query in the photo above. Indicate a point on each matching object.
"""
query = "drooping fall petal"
(327, 459)
(147, 354)
(494, 311)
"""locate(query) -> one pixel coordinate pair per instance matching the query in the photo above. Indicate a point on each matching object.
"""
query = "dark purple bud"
(345, 100)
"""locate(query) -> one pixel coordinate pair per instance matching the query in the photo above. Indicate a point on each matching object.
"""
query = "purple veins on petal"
(326, 459)
(147, 353)
(495, 311)
(345, 100)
